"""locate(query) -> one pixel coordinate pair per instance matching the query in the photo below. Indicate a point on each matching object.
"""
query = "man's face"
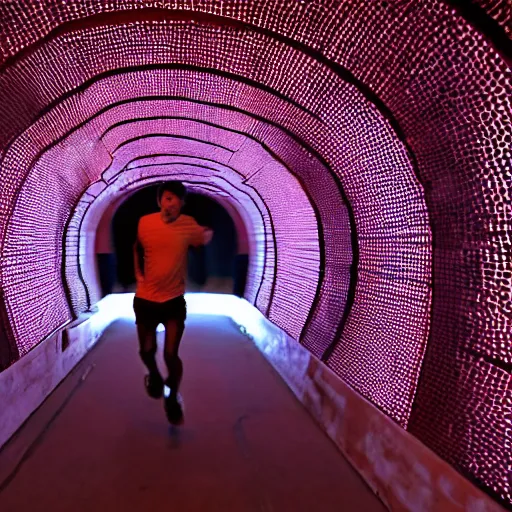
(170, 206)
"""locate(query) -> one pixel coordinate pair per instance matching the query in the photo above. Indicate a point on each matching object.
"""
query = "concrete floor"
(247, 444)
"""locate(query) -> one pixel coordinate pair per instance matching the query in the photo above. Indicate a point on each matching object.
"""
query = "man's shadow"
(178, 436)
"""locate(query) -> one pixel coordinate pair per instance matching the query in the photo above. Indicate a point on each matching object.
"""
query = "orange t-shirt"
(165, 255)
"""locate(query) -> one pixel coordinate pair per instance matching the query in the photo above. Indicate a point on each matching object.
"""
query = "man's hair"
(176, 187)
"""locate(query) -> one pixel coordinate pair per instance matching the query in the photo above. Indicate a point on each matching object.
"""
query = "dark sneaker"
(154, 385)
(173, 407)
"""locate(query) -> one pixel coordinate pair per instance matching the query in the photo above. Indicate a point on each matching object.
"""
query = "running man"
(160, 255)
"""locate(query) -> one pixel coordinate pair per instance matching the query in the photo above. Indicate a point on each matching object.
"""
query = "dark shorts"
(153, 313)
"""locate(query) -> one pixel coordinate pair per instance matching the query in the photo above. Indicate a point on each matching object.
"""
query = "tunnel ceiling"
(365, 144)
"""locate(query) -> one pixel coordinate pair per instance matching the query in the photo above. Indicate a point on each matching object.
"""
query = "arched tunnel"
(363, 149)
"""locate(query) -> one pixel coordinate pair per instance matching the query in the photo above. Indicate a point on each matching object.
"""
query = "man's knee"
(148, 354)
(171, 357)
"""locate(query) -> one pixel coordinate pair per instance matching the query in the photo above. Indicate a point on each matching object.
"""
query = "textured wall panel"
(340, 134)
(406, 102)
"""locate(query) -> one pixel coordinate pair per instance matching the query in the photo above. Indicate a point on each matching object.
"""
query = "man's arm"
(202, 236)
(138, 259)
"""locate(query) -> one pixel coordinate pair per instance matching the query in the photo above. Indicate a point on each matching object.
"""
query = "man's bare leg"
(148, 347)
(173, 333)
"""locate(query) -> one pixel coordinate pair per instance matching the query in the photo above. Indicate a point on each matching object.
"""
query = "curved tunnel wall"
(378, 382)
(394, 118)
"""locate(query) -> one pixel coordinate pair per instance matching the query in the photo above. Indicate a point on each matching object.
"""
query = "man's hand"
(208, 235)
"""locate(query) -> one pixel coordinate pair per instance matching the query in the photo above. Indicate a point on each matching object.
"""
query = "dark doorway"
(210, 268)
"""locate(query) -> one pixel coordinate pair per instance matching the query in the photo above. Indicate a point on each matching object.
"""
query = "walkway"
(247, 444)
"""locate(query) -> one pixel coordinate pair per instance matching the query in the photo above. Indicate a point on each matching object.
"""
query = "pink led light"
(346, 145)
(447, 90)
